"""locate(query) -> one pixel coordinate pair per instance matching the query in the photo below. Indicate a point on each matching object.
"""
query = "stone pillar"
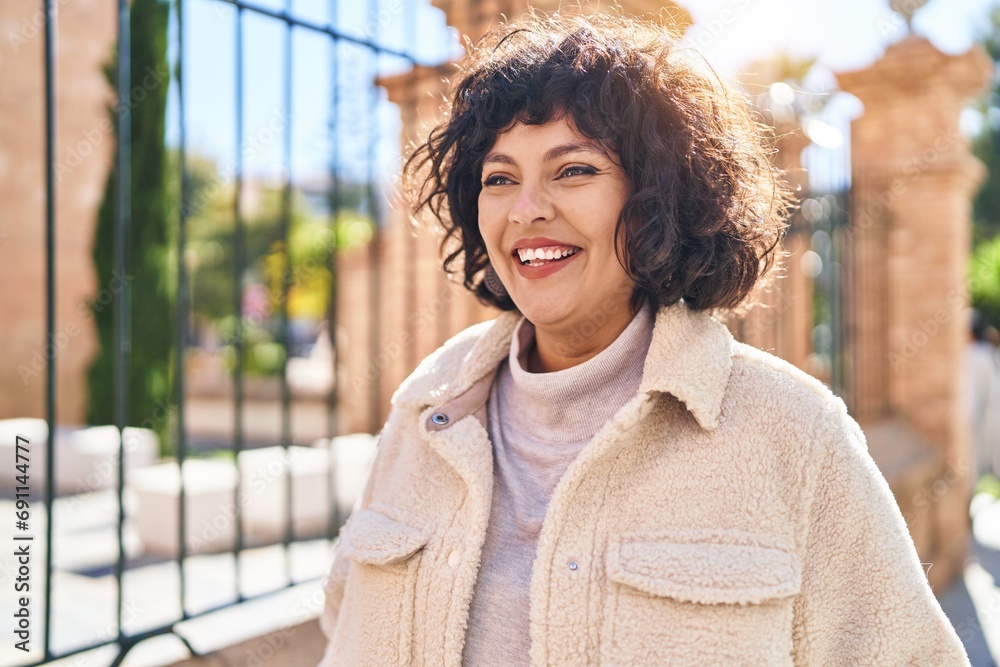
(781, 319)
(795, 286)
(913, 178)
(84, 148)
(421, 306)
(474, 17)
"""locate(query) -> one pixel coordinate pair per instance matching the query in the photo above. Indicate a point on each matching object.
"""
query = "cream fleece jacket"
(728, 514)
(538, 423)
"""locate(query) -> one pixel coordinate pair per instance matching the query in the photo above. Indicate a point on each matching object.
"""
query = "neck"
(563, 346)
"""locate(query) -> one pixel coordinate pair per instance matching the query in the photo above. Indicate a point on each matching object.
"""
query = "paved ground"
(973, 603)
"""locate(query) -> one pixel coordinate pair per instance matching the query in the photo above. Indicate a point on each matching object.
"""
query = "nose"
(533, 204)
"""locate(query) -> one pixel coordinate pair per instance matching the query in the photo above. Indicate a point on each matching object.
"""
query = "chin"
(544, 310)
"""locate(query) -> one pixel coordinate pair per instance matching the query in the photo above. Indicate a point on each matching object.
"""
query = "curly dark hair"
(707, 208)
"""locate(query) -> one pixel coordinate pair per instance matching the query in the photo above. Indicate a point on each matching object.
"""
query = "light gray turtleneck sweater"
(538, 423)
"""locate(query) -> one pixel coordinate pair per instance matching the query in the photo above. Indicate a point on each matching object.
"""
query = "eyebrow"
(551, 154)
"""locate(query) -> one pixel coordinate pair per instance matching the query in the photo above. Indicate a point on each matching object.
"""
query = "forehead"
(532, 140)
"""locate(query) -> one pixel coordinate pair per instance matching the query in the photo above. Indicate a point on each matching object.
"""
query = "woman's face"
(548, 189)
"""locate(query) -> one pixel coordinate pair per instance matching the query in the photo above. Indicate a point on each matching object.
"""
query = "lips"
(531, 250)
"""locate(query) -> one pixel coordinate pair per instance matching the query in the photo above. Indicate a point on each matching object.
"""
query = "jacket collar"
(689, 357)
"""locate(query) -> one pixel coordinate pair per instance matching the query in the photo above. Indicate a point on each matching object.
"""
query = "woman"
(601, 475)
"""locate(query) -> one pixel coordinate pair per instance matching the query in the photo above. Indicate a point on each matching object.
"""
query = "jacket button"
(439, 418)
(454, 558)
(574, 566)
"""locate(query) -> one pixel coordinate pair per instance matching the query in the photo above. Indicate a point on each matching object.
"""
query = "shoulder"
(444, 368)
(763, 384)
(804, 423)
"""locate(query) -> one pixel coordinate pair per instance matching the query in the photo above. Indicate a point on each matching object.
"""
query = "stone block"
(211, 495)
(265, 475)
(86, 459)
(353, 455)
(209, 502)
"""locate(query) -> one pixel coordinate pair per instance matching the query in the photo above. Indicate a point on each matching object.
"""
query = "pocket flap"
(374, 539)
(708, 572)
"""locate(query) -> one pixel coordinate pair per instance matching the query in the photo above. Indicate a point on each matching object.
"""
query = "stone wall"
(780, 318)
(84, 146)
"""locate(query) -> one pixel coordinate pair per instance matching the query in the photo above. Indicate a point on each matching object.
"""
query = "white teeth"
(545, 254)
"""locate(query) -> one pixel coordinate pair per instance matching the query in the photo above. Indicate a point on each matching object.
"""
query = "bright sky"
(840, 34)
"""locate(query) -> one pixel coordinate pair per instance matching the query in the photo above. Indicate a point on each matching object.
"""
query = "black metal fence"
(825, 216)
(356, 139)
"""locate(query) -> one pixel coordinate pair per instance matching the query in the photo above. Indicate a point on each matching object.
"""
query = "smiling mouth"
(543, 256)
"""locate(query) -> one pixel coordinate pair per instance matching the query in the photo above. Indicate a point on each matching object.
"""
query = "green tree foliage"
(986, 146)
(148, 252)
(984, 267)
(210, 254)
(984, 279)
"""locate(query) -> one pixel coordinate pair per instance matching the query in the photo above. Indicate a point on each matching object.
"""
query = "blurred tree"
(986, 146)
(984, 279)
(209, 254)
(151, 303)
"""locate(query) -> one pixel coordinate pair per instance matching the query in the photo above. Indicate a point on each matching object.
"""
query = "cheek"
(595, 219)
(491, 221)
(490, 233)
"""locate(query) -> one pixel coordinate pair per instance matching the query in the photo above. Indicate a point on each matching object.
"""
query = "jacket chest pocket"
(376, 618)
(680, 599)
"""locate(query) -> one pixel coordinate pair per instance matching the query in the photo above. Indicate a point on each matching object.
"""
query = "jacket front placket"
(561, 569)
(457, 431)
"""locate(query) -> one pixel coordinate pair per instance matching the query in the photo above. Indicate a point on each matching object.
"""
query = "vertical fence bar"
(50, 300)
(840, 222)
(841, 339)
(374, 247)
(286, 279)
(239, 266)
(443, 283)
(121, 313)
(182, 311)
(332, 424)
(409, 122)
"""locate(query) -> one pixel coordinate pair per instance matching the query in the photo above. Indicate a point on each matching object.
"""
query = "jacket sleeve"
(333, 587)
(864, 598)
(333, 590)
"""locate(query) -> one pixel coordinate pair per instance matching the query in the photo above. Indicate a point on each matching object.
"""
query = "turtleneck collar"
(571, 405)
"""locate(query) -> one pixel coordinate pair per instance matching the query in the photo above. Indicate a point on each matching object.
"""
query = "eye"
(496, 179)
(578, 170)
